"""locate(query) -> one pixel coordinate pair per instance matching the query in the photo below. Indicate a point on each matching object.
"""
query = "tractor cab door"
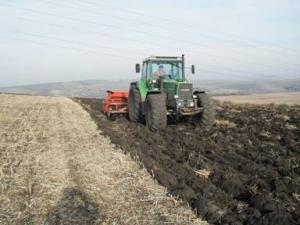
(146, 72)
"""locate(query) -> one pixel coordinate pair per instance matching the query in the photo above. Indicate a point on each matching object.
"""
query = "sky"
(55, 41)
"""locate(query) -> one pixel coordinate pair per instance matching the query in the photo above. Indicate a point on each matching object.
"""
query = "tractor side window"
(149, 71)
(144, 72)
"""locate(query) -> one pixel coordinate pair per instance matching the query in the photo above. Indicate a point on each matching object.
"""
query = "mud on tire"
(134, 104)
(156, 112)
(206, 119)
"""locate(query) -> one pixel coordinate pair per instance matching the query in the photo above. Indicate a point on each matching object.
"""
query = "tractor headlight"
(175, 96)
(194, 96)
(152, 81)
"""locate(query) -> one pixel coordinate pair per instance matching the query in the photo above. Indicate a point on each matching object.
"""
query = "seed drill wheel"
(156, 112)
(134, 104)
(206, 118)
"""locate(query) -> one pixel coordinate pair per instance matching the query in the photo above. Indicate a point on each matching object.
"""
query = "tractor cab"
(162, 73)
(163, 67)
(159, 70)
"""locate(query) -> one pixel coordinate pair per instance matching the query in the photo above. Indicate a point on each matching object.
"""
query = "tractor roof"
(163, 58)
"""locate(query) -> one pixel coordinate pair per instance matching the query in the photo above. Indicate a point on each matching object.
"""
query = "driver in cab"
(160, 72)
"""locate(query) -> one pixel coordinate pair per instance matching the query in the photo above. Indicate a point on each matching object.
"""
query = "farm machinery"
(115, 103)
(161, 93)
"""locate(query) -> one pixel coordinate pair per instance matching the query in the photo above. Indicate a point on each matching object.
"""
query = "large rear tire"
(134, 104)
(206, 118)
(156, 112)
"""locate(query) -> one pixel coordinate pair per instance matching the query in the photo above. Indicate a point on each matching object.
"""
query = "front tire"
(134, 104)
(207, 117)
(156, 112)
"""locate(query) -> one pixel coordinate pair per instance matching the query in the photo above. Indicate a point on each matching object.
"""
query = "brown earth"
(57, 168)
(244, 171)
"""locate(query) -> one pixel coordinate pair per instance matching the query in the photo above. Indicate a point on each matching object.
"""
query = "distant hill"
(97, 88)
(85, 88)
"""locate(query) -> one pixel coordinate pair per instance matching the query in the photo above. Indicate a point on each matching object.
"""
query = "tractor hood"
(180, 90)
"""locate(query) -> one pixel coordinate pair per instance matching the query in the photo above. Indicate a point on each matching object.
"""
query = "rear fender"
(143, 88)
(133, 84)
(138, 85)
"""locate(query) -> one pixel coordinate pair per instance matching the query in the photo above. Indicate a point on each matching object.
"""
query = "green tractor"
(163, 92)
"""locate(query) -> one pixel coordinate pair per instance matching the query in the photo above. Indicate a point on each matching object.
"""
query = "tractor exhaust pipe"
(183, 66)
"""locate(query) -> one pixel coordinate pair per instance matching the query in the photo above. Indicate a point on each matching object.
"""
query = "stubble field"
(57, 168)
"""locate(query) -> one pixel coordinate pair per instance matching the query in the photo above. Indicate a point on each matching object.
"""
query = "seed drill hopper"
(115, 103)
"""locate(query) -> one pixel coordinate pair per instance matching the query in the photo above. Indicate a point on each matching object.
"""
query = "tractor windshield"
(167, 70)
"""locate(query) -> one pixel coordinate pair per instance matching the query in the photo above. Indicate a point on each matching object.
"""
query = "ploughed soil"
(245, 170)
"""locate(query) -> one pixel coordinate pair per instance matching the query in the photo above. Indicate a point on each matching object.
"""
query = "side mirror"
(137, 68)
(193, 69)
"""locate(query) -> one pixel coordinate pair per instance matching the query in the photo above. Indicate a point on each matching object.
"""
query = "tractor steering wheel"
(167, 76)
